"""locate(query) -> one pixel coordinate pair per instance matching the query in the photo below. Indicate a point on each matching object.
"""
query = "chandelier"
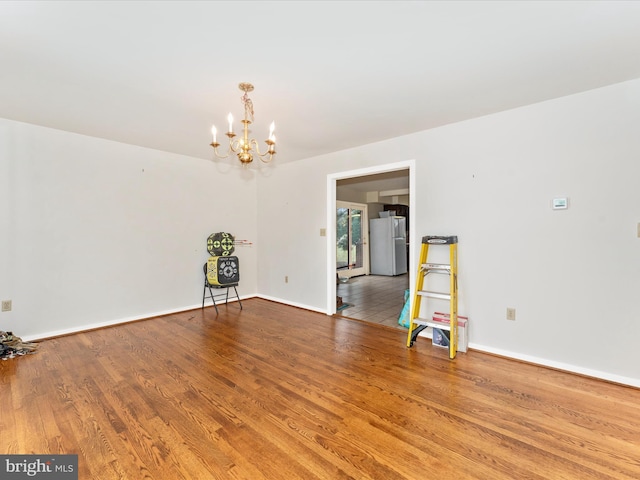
(243, 146)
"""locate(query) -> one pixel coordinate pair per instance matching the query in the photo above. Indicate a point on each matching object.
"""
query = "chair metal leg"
(213, 298)
(237, 296)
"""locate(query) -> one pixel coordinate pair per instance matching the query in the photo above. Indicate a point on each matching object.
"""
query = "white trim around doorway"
(332, 179)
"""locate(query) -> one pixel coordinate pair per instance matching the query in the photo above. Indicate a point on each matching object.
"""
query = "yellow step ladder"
(419, 324)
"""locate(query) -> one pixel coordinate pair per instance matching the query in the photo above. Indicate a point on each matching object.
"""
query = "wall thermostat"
(560, 203)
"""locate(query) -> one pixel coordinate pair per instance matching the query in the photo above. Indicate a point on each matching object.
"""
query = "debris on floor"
(12, 346)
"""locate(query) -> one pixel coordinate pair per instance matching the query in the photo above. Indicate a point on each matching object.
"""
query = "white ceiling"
(332, 74)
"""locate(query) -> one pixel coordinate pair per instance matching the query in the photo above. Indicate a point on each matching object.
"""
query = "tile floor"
(374, 298)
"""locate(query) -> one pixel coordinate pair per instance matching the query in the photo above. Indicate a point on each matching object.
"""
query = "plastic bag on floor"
(403, 319)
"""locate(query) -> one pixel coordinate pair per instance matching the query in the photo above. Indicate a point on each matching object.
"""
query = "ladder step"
(437, 266)
(429, 323)
(441, 296)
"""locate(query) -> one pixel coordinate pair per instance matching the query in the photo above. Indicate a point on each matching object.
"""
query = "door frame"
(332, 179)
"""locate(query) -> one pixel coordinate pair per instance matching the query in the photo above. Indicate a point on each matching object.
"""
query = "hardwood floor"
(374, 298)
(276, 392)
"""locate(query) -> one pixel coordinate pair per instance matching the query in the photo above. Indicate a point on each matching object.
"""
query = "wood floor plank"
(272, 392)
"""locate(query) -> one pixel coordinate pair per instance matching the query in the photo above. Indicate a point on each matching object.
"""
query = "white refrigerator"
(388, 246)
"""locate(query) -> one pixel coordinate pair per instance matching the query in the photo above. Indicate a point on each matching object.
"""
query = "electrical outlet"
(511, 313)
(6, 305)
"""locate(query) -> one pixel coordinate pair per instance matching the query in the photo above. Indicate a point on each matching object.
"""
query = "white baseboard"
(632, 382)
(544, 362)
(110, 323)
(293, 304)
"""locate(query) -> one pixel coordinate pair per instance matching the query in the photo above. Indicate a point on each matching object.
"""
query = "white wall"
(290, 216)
(573, 276)
(96, 232)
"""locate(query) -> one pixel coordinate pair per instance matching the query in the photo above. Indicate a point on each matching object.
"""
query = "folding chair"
(212, 296)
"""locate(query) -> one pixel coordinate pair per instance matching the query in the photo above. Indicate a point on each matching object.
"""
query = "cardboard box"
(443, 318)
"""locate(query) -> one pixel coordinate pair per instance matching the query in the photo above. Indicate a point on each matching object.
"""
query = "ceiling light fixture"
(242, 146)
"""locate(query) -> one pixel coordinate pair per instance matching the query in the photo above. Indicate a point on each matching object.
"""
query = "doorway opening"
(375, 298)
